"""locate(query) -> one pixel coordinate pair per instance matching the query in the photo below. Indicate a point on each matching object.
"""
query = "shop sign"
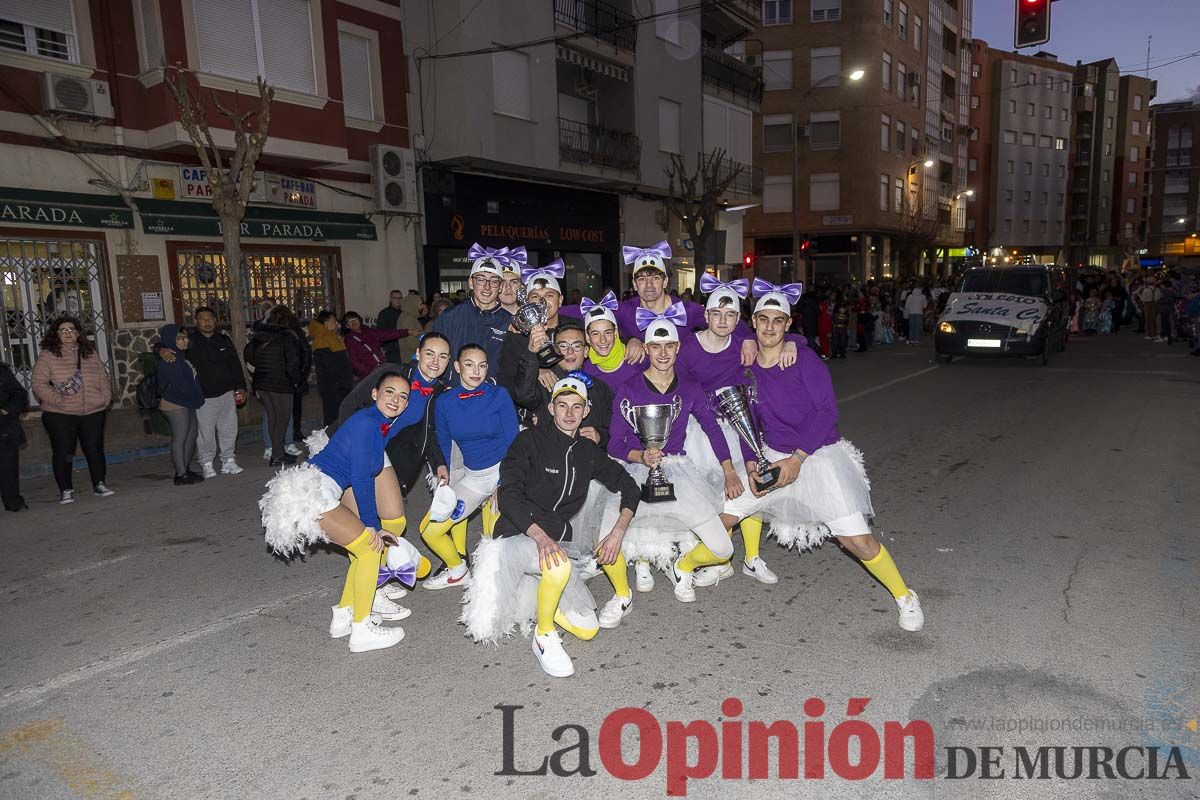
(845, 219)
(193, 185)
(68, 212)
(294, 192)
(258, 229)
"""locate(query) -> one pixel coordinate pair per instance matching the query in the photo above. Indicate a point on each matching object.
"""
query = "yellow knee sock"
(396, 526)
(884, 569)
(700, 556)
(550, 589)
(459, 534)
(586, 634)
(751, 536)
(437, 536)
(618, 575)
(490, 518)
(362, 581)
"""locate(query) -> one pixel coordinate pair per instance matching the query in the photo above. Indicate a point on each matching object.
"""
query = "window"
(974, 70)
(1059, 197)
(1028, 167)
(1066, 86)
(1050, 83)
(1137, 102)
(1129, 205)
(1045, 198)
(1031, 79)
(826, 10)
(358, 83)
(1059, 226)
(887, 13)
(1137, 127)
(777, 69)
(885, 132)
(825, 130)
(1012, 106)
(777, 193)
(1030, 110)
(510, 84)
(149, 31)
(1047, 112)
(1060, 143)
(666, 20)
(1012, 167)
(947, 131)
(1009, 137)
(1063, 115)
(901, 137)
(777, 133)
(1008, 226)
(1103, 201)
(233, 42)
(901, 79)
(668, 125)
(885, 74)
(1062, 170)
(1133, 179)
(1026, 197)
(971, 222)
(915, 138)
(1133, 155)
(974, 134)
(1044, 141)
(1108, 148)
(902, 22)
(826, 66)
(897, 195)
(1128, 230)
(1108, 123)
(778, 12)
(1024, 226)
(1042, 225)
(1008, 195)
(1107, 175)
(1045, 170)
(1111, 94)
(1027, 139)
(45, 28)
(917, 33)
(972, 165)
(1012, 75)
(884, 183)
(823, 192)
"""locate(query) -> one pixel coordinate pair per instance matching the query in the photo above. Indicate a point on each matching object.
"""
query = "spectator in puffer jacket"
(365, 345)
(182, 396)
(273, 353)
(335, 378)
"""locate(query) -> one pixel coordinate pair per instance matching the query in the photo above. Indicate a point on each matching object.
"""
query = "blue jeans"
(915, 323)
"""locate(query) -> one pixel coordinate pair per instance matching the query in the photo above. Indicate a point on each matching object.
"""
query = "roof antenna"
(1148, 38)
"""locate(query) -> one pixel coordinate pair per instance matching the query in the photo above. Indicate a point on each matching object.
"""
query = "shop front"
(581, 227)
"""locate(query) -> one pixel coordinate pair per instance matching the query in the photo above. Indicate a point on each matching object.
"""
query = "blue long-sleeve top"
(354, 456)
(481, 421)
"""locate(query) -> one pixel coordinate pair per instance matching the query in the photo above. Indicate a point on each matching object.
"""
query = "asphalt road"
(1047, 516)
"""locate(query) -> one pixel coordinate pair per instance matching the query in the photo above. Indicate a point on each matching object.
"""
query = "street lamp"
(855, 75)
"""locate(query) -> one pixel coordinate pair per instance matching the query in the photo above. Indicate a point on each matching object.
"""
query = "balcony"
(591, 144)
(603, 21)
(748, 181)
(728, 73)
(731, 20)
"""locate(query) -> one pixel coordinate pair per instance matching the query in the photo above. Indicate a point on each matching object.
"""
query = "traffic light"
(805, 244)
(1032, 23)
(748, 261)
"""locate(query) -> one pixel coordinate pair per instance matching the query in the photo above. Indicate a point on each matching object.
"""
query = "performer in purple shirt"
(696, 461)
(606, 352)
(822, 489)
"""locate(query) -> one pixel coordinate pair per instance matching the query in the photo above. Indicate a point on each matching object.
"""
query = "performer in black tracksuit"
(544, 482)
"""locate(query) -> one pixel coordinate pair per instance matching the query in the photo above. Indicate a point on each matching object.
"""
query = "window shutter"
(510, 83)
(777, 69)
(668, 125)
(823, 194)
(286, 33)
(53, 15)
(740, 125)
(358, 96)
(825, 130)
(151, 34)
(716, 125)
(777, 194)
(225, 30)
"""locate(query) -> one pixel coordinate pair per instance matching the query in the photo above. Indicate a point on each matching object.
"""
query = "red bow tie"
(468, 395)
(424, 390)
(385, 427)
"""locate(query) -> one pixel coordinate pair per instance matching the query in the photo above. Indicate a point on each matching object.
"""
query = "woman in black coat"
(273, 353)
(13, 400)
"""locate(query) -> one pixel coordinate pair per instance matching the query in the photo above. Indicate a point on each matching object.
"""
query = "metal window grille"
(304, 282)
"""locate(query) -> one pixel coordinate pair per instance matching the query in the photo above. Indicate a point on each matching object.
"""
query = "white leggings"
(714, 536)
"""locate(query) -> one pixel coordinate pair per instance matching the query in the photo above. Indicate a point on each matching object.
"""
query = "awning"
(181, 218)
(35, 207)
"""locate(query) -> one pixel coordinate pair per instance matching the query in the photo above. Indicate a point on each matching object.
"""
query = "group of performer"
(549, 452)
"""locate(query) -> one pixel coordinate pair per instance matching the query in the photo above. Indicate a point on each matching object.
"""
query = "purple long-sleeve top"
(626, 315)
(717, 370)
(639, 392)
(618, 376)
(796, 406)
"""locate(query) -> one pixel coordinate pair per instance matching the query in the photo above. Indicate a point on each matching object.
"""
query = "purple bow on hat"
(676, 314)
(406, 574)
(517, 257)
(556, 268)
(609, 301)
(631, 254)
(740, 287)
(478, 251)
(789, 290)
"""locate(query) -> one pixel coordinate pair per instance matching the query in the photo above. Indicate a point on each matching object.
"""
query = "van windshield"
(1031, 283)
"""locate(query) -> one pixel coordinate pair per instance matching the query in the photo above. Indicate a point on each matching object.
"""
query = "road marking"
(63, 573)
(51, 743)
(36, 691)
(1098, 371)
(885, 385)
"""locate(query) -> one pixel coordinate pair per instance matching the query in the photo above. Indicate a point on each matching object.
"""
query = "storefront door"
(303, 280)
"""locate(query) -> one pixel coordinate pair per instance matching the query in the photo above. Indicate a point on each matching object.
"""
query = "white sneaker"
(394, 591)
(551, 656)
(387, 610)
(685, 591)
(586, 568)
(68, 496)
(446, 579)
(103, 491)
(912, 618)
(267, 454)
(230, 467)
(292, 450)
(711, 576)
(643, 577)
(339, 626)
(368, 635)
(615, 610)
(208, 472)
(757, 568)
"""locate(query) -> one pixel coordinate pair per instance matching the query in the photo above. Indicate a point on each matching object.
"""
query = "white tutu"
(502, 597)
(316, 441)
(586, 525)
(293, 505)
(832, 485)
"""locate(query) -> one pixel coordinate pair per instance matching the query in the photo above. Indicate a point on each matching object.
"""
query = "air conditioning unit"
(62, 94)
(394, 173)
(753, 60)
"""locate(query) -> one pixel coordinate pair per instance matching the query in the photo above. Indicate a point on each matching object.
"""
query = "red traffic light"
(748, 261)
(1032, 23)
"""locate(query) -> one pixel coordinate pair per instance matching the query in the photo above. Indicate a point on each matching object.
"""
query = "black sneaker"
(285, 460)
(187, 479)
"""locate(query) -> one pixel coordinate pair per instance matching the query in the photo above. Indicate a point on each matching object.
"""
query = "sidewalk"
(127, 437)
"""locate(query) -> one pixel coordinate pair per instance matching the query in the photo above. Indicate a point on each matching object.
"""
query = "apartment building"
(550, 125)
(1174, 188)
(104, 209)
(1021, 123)
(863, 132)
(1134, 95)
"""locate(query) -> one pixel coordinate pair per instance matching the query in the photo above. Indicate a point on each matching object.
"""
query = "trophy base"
(547, 357)
(658, 493)
(766, 480)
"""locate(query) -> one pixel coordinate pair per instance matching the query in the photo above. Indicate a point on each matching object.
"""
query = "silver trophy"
(530, 314)
(733, 404)
(653, 425)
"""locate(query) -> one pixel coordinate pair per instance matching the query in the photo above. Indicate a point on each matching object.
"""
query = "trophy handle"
(627, 413)
(751, 386)
(676, 407)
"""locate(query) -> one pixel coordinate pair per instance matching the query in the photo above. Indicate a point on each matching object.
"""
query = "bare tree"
(695, 197)
(231, 177)
(916, 232)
